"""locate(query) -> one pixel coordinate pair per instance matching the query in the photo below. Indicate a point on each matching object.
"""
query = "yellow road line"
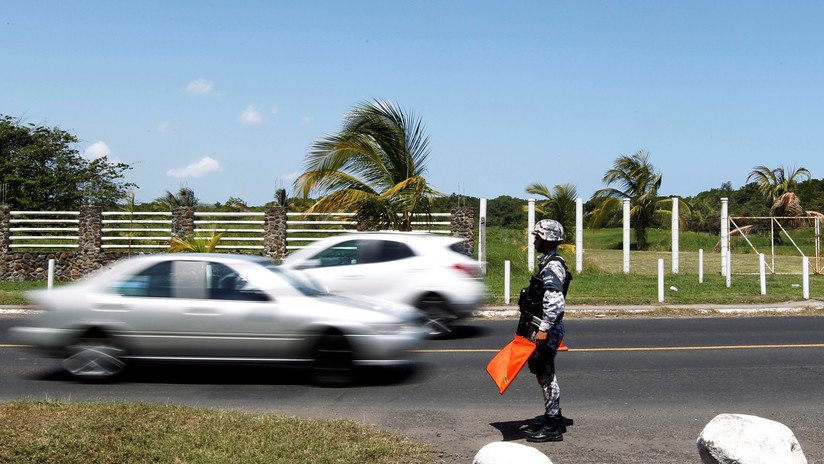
(14, 346)
(659, 348)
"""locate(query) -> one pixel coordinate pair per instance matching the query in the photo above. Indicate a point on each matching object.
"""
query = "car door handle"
(352, 276)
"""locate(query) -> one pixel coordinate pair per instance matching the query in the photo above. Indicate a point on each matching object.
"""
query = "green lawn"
(603, 280)
(48, 431)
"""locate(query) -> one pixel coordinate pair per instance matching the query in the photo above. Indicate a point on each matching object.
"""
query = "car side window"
(154, 281)
(341, 254)
(226, 284)
(392, 251)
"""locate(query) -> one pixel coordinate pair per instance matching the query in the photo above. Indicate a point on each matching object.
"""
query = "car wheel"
(438, 317)
(94, 357)
(333, 363)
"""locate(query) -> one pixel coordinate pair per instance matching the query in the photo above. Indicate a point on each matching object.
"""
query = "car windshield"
(302, 283)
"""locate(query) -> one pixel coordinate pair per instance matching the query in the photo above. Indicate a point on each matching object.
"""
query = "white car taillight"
(469, 269)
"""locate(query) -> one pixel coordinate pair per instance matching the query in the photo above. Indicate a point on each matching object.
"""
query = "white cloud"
(306, 120)
(200, 87)
(163, 126)
(97, 150)
(199, 168)
(251, 115)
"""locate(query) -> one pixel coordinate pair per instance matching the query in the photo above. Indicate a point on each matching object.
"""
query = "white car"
(426, 271)
(215, 308)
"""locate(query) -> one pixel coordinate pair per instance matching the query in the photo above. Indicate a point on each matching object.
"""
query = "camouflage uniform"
(542, 363)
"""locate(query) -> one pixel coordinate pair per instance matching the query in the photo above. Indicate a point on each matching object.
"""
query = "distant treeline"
(506, 211)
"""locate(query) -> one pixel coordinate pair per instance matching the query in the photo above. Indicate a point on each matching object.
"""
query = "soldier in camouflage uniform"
(555, 277)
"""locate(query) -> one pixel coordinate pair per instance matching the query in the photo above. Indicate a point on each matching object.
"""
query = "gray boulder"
(743, 439)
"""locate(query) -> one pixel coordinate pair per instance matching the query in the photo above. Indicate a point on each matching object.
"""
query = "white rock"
(501, 452)
(743, 439)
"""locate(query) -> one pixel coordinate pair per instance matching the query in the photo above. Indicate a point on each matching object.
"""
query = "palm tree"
(374, 166)
(184, 197)
(639, 181)
(193, 244)
(779, 185)
(559, 204)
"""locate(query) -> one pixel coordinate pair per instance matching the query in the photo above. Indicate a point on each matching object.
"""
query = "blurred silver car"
(429, 272)
(216, 308)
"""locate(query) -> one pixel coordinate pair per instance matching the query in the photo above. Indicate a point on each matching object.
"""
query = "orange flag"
(507, 363)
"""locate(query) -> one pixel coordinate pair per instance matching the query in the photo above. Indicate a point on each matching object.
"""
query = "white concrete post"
(50, 281)
(729, 270)
(725, 235)
(579, 235)
(626, 235)
(507, 270)
(762, 275)
(675, 247)
(700, 265)
(482, 237)
(530, 260)
(660, 280)
(805, 277)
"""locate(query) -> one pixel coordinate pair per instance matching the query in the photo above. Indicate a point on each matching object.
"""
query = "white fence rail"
(44, 229)
(146, 231)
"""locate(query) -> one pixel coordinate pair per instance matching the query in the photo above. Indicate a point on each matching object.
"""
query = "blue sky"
(226, 97)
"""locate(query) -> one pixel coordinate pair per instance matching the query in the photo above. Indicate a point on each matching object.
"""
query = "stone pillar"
(5, 239)
(274, 232)
(91, 230)
(183, 221)
(463, 226)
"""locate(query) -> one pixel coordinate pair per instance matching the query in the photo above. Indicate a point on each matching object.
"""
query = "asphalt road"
(638, 390)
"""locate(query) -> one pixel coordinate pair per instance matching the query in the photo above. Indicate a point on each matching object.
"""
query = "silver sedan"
(216, 308)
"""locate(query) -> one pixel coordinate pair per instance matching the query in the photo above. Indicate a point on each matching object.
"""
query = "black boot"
(562, 420)
(550, 431)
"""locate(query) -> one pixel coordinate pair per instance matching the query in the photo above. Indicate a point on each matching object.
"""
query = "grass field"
(48, 431)
(603, 281)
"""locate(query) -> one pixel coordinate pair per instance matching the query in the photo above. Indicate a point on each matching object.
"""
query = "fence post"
(660, 280)
(90, 230)
(805, 277)
(626, 235)
(5, 239)
(183, 221)
(729, 270)
(725, 235)
(482, 236)
(507, 270)
(675, 246)
(761, 274)
(463, 226)
(579, 235)
(700, 265)
(530, 243)
(274, 233)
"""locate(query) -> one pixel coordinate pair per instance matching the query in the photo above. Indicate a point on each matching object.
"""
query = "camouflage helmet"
(549, 230)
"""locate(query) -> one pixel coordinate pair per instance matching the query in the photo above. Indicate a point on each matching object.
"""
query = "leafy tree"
(506, 211)
(559, 204)
(374, 166)
(41, 170)
(639, 181)
(779, 186)
(169, 201)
